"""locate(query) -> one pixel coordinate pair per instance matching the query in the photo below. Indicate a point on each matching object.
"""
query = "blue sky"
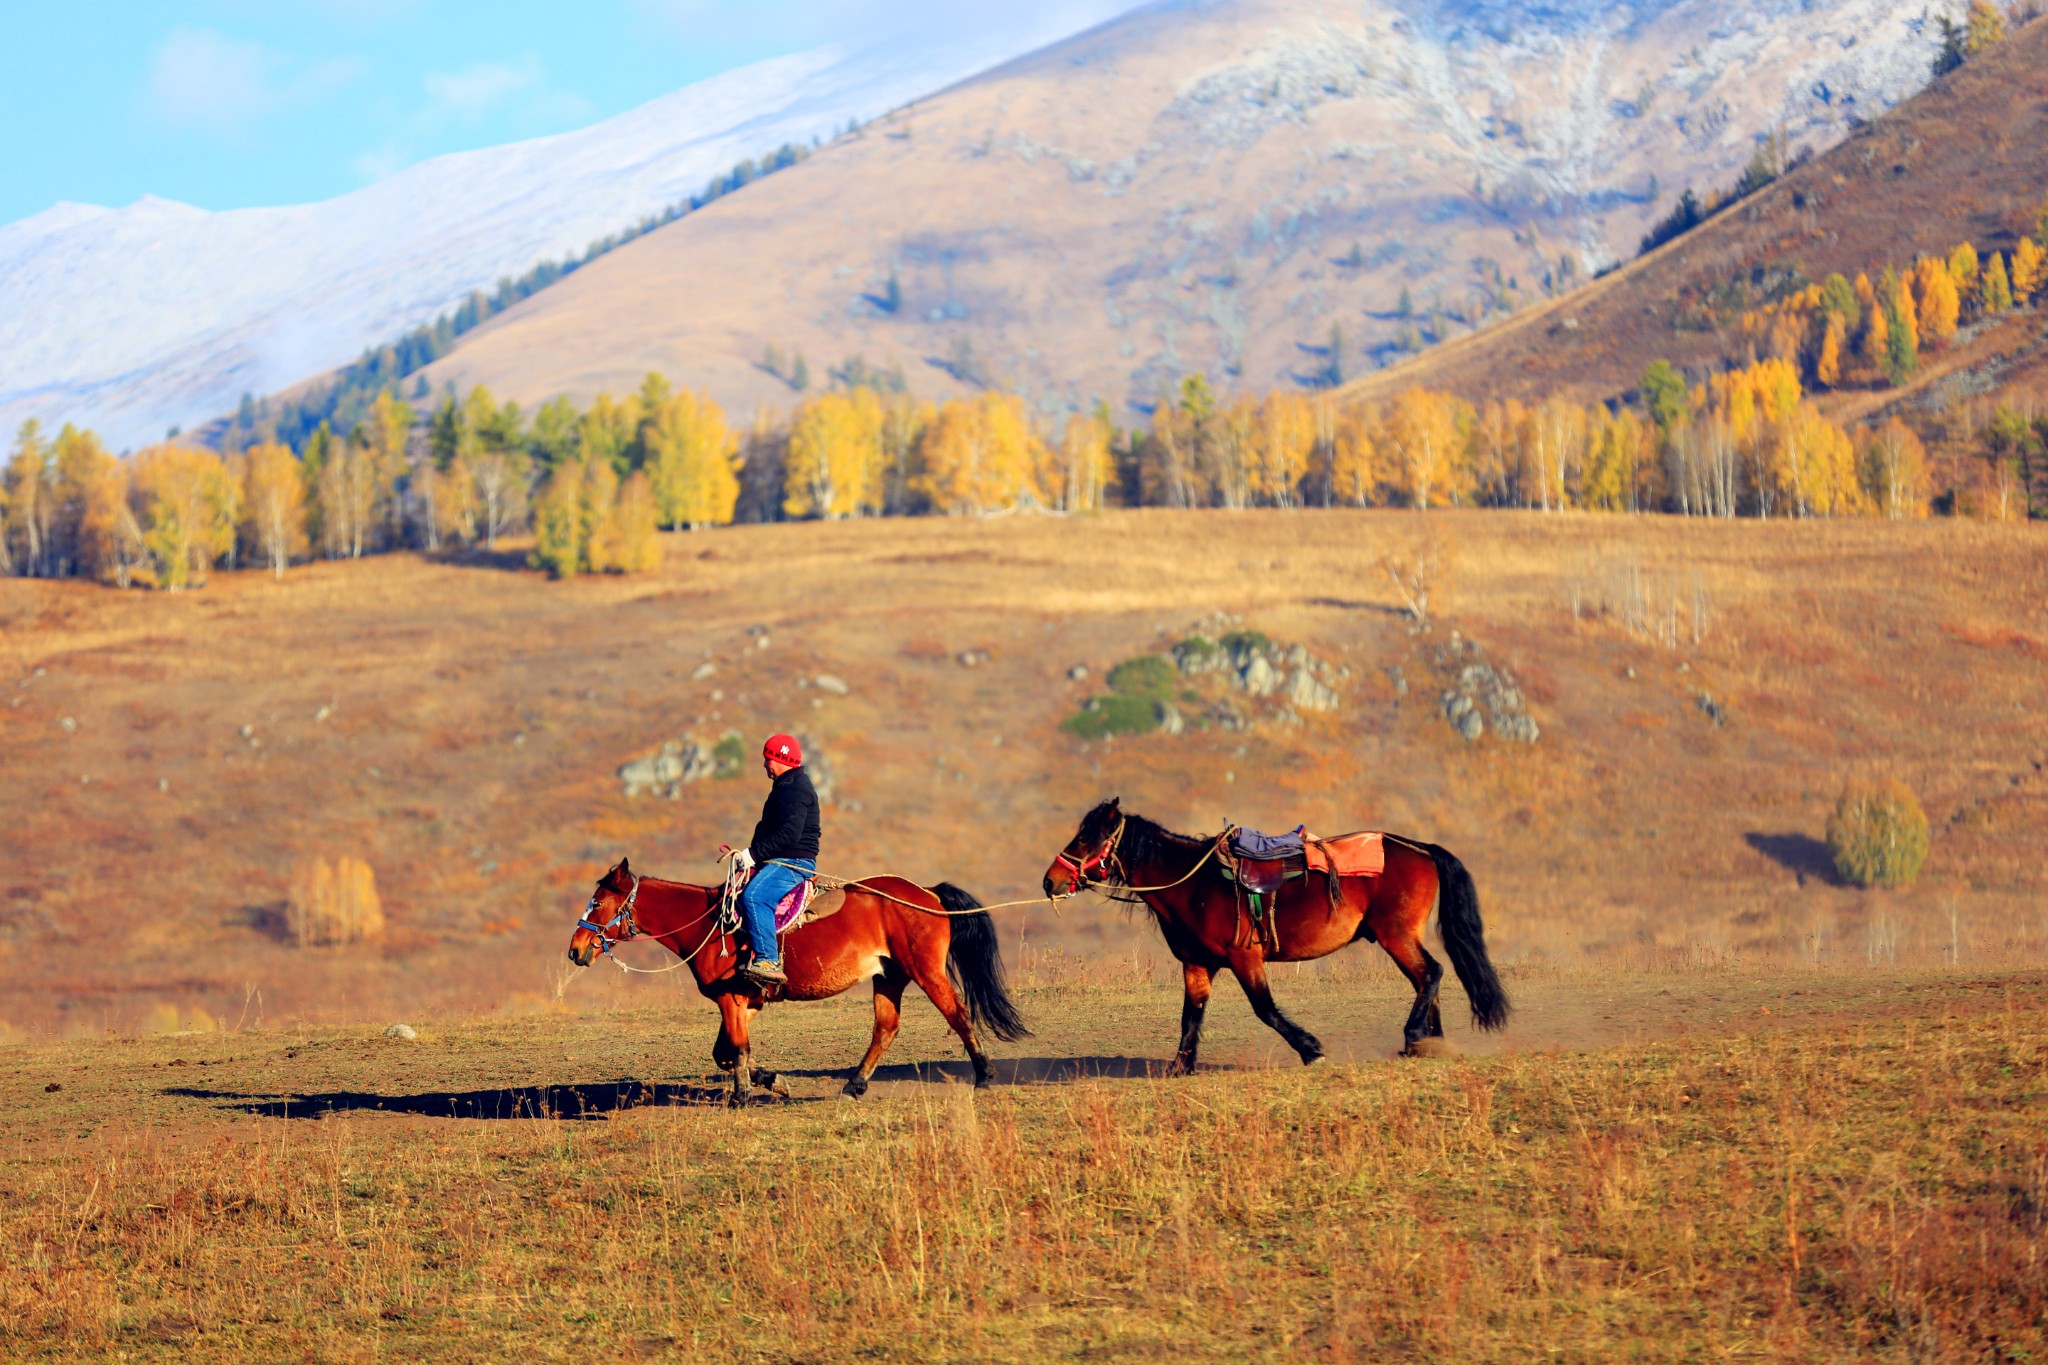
(231, 103)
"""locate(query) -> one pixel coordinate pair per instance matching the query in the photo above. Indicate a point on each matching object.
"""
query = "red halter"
(1098, 861)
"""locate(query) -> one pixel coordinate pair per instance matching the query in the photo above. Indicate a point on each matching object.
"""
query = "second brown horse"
(1202, 916)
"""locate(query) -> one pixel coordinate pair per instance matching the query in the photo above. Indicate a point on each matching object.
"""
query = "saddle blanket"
(1349, 855)
(805, 904)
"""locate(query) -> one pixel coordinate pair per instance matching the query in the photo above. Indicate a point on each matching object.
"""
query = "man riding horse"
(783, 853)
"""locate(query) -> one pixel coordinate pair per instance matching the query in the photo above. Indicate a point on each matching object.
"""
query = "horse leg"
(941, 993)
(733, 1012)
(1194, 1004)
(767, 1080)
(888, 1016)
(1251, 974)
(1424, 972)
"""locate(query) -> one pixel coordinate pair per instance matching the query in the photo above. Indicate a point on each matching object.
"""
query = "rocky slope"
(1216, 187)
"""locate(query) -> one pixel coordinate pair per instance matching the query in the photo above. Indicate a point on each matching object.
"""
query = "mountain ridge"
(1176, 191)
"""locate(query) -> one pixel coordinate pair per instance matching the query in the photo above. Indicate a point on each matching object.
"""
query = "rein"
(623, 916)
(1116, 875)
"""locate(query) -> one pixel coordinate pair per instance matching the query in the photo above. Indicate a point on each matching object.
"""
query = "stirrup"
(766, 973)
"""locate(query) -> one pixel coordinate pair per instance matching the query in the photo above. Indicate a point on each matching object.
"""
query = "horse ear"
(625, 864)
(1116, 803)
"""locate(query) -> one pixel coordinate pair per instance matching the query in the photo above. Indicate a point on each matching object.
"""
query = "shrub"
(1197, 654)
(729, 755)
(1115, 714)
(334, 903)
(1878, 834)
(1241, 645)
(1146, 676)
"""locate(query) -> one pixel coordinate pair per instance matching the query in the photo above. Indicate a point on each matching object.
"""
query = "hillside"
(1213, 187)
(1965, 160)
(134, 319)
(1702, 691)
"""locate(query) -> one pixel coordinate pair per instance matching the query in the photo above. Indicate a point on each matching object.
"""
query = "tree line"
(595, 484)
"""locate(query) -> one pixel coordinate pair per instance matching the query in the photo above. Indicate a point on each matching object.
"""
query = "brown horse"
(889, 930)
(1202, 915)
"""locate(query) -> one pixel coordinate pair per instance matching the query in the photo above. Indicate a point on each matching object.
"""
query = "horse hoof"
(1312, 1059)
(1429, 1047)
(855, 1089)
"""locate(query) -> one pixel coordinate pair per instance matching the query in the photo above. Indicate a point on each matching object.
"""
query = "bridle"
(1099, 861)
(623, 916)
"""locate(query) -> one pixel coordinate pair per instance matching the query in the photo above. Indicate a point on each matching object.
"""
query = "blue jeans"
(757, 903)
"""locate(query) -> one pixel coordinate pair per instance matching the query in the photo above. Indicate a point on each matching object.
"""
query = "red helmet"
(784, 749)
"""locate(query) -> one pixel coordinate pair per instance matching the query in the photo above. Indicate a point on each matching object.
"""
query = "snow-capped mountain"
(1268, 192)
(135, 319)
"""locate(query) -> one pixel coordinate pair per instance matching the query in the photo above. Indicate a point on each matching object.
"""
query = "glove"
(744, 859)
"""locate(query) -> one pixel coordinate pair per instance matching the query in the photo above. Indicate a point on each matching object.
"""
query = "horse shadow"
(1016, 1070)
(590, 1100)
(1800, 854)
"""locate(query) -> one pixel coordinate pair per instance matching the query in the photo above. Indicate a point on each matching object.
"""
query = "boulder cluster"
(1220, 675)
(680, 762)
(1481, 694)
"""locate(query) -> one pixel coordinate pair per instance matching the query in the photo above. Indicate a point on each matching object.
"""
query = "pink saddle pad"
(791, 907)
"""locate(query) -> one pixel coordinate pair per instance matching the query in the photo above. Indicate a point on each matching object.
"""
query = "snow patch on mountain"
(136, 319)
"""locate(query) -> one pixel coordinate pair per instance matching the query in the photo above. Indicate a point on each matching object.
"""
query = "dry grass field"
(1743, 1111)
(457, 727)
(1831, 1164)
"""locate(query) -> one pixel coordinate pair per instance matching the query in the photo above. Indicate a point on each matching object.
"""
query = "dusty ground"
(474, 716)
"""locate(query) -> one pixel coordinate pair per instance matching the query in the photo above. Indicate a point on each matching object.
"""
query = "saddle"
(805, 904)
(1263, 863)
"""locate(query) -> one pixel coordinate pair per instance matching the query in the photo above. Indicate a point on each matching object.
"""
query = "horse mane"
(1147, 839)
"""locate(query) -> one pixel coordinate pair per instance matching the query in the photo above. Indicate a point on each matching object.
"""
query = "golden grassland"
(457, 725)
(1824, 1165)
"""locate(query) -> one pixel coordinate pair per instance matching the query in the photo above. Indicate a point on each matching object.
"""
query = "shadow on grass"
(1017, 1070)
(601, 1099)
(1798, 853)
(592, 1100)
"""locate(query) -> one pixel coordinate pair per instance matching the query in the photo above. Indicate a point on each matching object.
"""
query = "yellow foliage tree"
(273, 505)
(632, 543)
(1876, 334)
(1423, 432)
(1827, 366)
(189, 512)
(1553, 451)
(979, 455)
(1083, 468)
(1892, 468)
(1816, 463)
(834, 466)
(1937, 301)
(2029, 271)
(1963, 267)
(692, 461)
(1285, 442)
(1354, 471)
(1994, 287)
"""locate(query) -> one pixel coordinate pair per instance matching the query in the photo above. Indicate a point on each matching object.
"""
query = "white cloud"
(477, 90)
(202, 79)
(199, 78)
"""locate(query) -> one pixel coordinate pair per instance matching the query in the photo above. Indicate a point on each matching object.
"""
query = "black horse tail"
(1457, 910)
(974, 964)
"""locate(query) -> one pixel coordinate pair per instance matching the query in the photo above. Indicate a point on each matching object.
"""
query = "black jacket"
(789, 820)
